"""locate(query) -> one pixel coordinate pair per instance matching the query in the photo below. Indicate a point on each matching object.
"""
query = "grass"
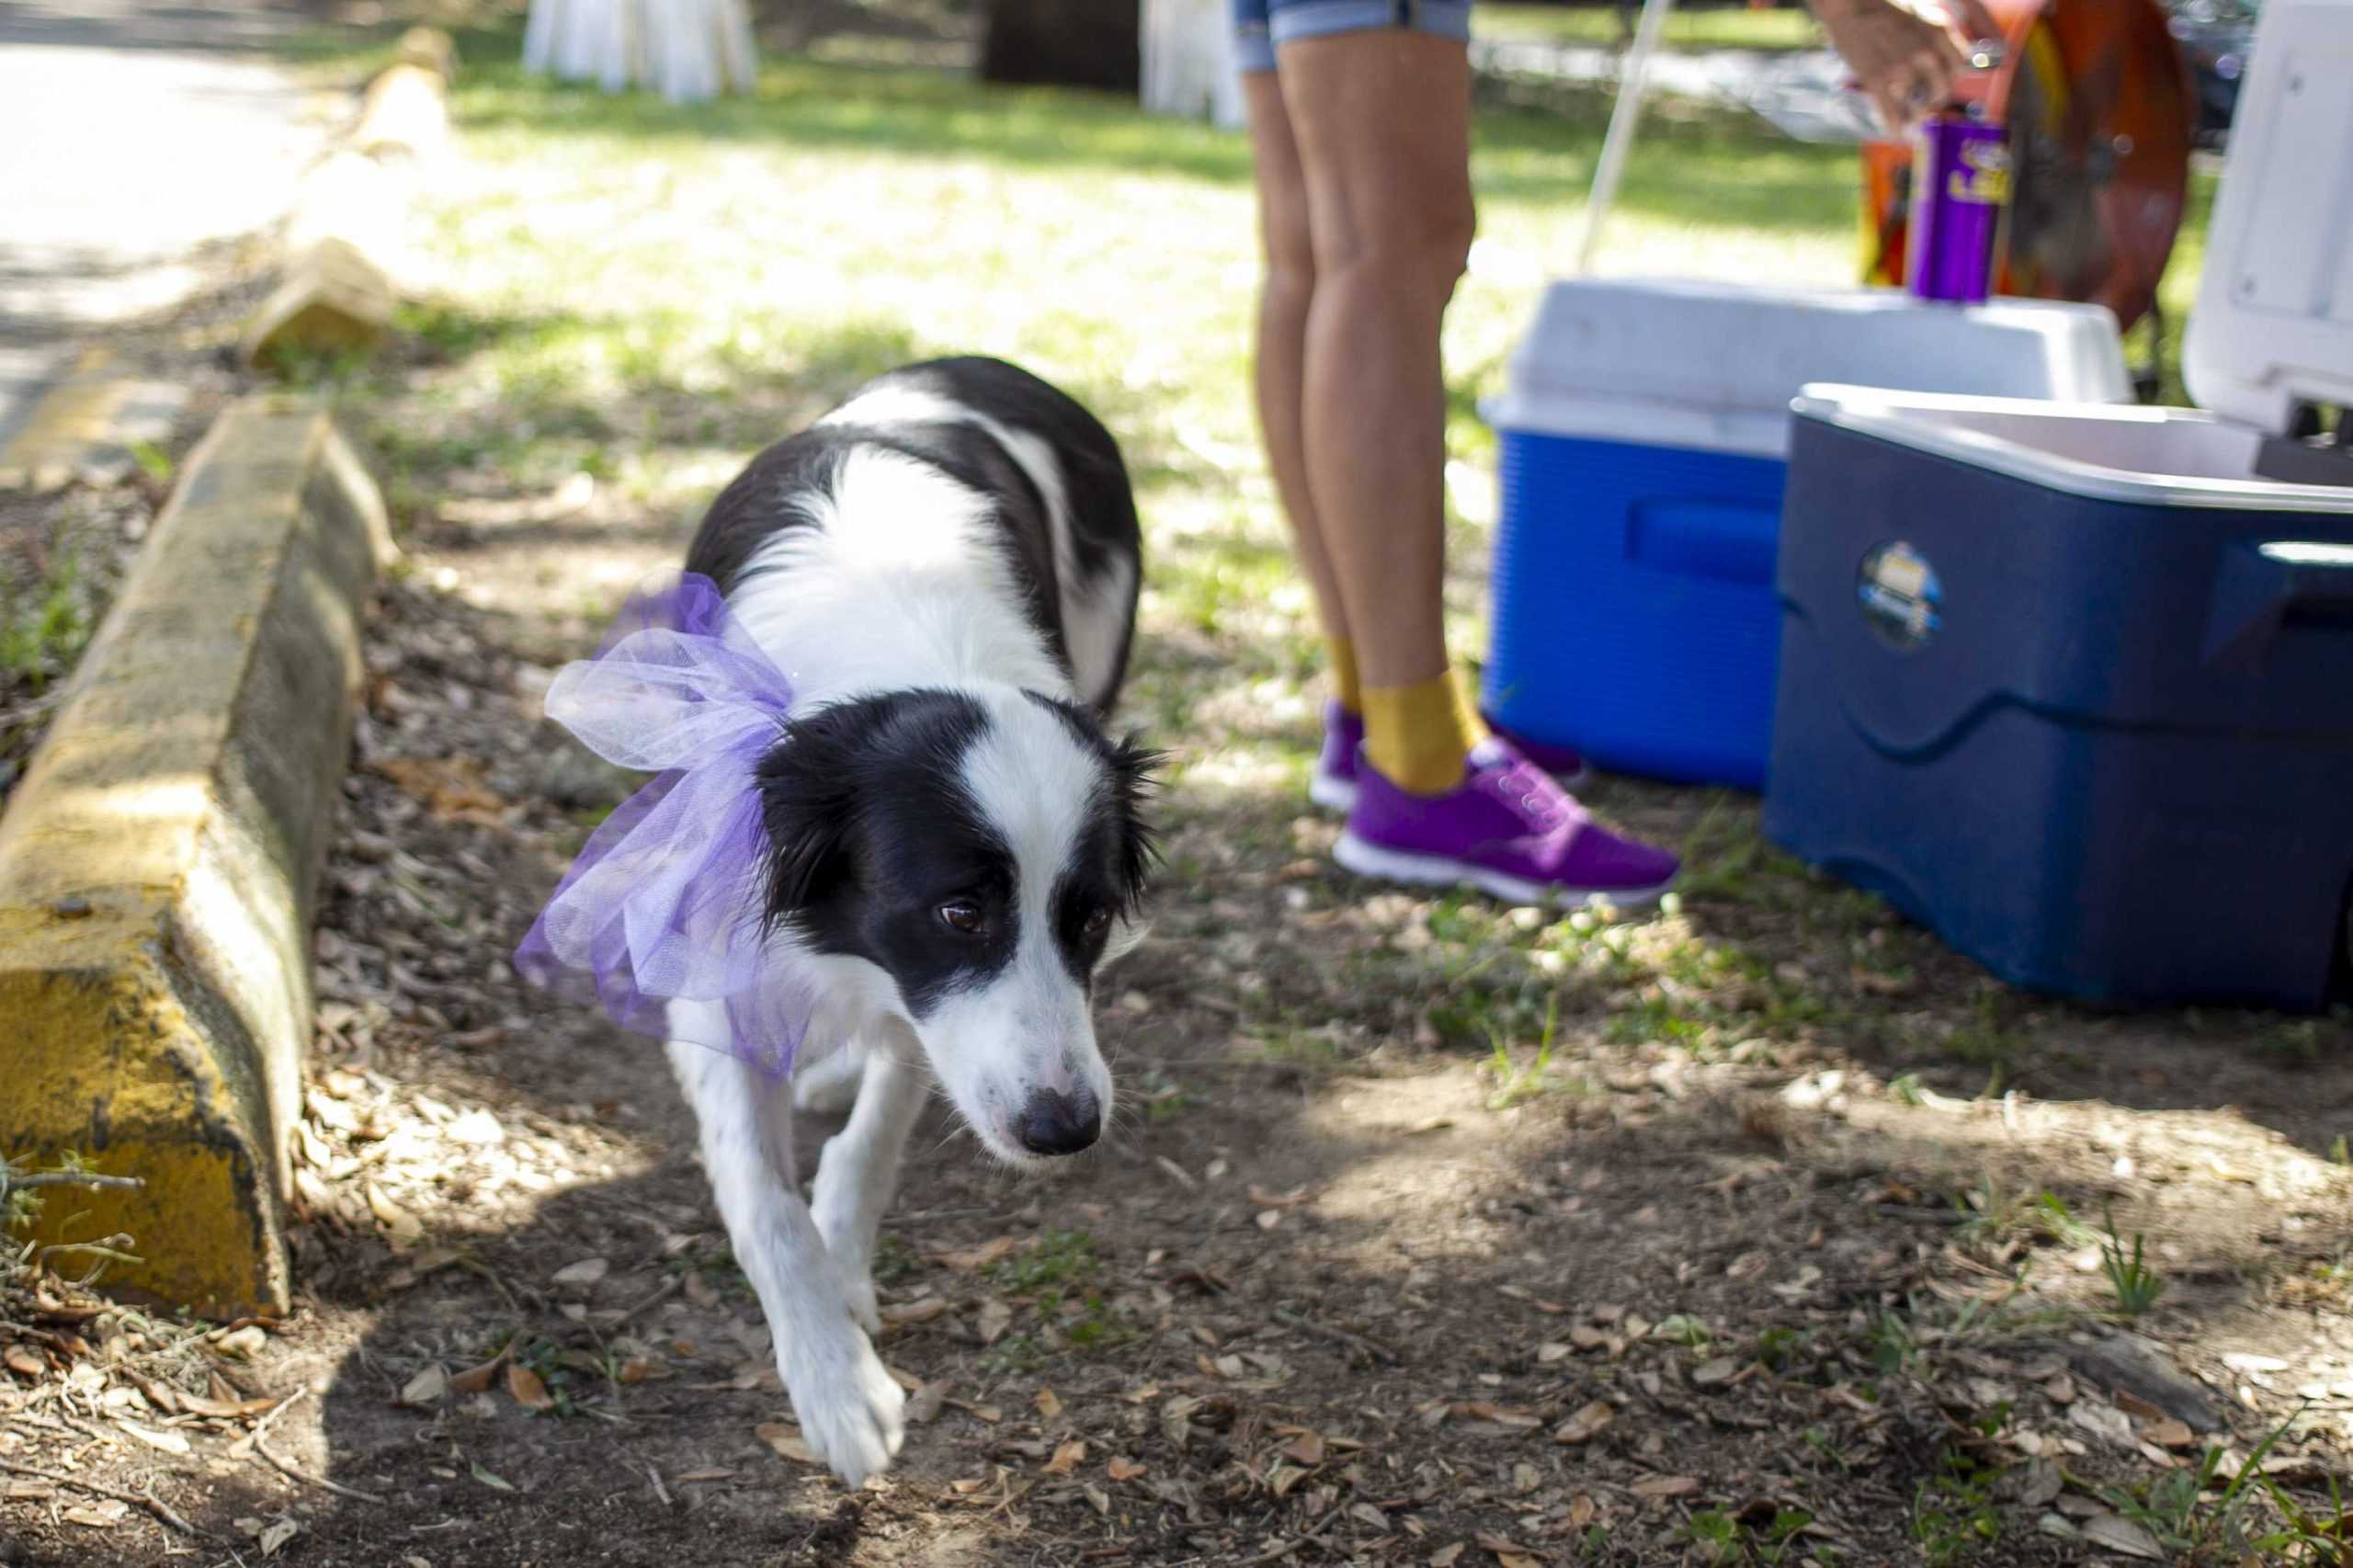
(1609, 27)
(44, 625)
(2136, 1285)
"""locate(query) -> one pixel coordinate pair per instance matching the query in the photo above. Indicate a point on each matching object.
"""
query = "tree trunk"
(1073, 43)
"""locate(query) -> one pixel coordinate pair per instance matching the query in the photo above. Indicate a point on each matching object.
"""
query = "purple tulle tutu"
(664, 901)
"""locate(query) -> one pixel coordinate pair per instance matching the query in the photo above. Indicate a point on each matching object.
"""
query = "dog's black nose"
(1061, 1124)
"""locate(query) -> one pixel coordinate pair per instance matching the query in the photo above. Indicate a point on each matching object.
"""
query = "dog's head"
(986, 853)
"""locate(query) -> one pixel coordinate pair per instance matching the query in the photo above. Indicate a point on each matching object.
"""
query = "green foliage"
(2137, 1285)
(44, 626)
(1721, 1537)
(1953, 1515)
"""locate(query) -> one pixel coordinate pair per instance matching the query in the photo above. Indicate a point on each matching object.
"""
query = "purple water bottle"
(1961, 178)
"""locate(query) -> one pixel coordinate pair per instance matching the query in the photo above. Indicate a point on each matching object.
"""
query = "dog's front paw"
(852, 1414)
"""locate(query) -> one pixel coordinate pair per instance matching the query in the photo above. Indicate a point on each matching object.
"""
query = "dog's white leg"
(851, 1413)
(858, 1171)
(828, 1086)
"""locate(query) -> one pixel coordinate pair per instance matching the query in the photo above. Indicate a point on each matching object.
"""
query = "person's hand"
(1906, 54)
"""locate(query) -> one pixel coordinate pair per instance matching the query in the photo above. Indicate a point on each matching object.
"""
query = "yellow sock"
(1420, 735)
(1343, 656)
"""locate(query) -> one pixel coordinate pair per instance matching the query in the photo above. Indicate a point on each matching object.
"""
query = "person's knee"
(1426, 257)
(1290, 261)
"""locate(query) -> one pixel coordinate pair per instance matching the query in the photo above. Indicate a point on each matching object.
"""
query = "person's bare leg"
(1283, 300)
(1381, 123)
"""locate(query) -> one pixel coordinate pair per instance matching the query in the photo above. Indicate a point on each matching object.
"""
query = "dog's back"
(947, 455)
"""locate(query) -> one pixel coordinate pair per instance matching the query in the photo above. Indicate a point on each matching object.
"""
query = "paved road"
(131, 136)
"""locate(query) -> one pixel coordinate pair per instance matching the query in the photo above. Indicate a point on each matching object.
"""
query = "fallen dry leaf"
(2122, 1536)
(98, 1516)
(475, 1379)
(980, 1256)
(1307, 1448)
(1266, 1199)
(927, 1404)
(1582, 1425)
(527, 1388)
(428, 1387)
(24, 1360)
(495, 1483)
(1048, 1404)
(1519, 1293)
(786, 1442)
(1067, 1458)
(693, 1476)
(1501, 1414)
(993, 1319)
(924, 1311)
(1666, 1486)
(402, 1228)
(169, 1442)
(1581, 1511)
(276, 1536)
(1445, 1555)
(2169, 1433)
(1121, 1468)
(587, 1271)
(640, 1369)
(1715, 1371)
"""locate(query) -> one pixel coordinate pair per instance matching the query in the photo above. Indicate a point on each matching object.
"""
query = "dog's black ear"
(806, 796)
(1134, 783)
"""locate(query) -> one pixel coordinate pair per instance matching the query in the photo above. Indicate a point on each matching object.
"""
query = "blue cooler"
(2072, 690)
(1644, 442)
(2072, 685)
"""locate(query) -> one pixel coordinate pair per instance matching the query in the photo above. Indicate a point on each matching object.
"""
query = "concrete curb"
(338, 295)
(157, 863)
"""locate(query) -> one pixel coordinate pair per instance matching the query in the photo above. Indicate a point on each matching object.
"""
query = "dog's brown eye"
(1098, 923)
(962, 915)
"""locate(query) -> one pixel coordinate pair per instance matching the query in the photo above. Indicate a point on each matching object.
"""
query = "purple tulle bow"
(664, 901)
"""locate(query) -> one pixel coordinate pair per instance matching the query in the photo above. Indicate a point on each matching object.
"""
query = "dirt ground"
(1371, 1298)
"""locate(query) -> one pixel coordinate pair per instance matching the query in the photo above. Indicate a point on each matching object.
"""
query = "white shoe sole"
(1332, 794)
(1439, 870)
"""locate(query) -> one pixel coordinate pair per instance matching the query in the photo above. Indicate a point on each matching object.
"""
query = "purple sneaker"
(1332, 785)
(1507, 829)
(1565, 764)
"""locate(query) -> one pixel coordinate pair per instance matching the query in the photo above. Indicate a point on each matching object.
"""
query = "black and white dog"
(947, 567)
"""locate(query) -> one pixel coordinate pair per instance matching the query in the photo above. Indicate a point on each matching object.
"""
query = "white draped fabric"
(689, 51)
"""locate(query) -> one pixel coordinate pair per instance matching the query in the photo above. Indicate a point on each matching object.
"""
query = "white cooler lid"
(2143, 457)
(2274, 320)
(1693, 363)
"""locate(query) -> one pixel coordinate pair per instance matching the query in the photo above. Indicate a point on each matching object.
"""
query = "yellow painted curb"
(406, 111)
(431, 48)
(157, 863)
(335, 301)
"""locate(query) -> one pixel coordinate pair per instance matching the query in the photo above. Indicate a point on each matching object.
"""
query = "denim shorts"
(1260, 25)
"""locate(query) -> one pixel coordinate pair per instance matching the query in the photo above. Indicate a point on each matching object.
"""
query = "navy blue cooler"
(2091, 722)
(2073, 685)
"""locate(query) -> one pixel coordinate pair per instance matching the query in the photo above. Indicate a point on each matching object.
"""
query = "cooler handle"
(1731, 541)
(2262, 585)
